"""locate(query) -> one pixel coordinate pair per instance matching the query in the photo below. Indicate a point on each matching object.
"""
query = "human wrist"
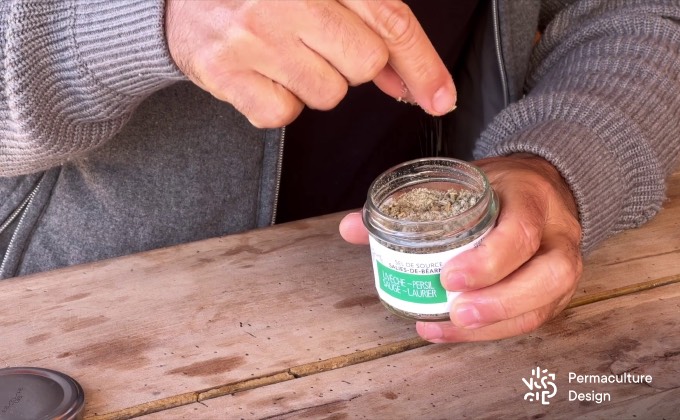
(542, 175)
(552, 175)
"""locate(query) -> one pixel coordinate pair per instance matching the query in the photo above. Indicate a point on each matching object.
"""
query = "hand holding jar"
(525, 270)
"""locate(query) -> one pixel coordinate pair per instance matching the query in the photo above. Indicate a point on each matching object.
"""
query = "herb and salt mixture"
(427, 205)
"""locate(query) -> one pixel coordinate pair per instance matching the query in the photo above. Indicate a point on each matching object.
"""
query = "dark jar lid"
(28, 393)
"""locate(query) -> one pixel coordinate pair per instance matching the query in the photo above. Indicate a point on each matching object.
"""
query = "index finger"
(411, 54)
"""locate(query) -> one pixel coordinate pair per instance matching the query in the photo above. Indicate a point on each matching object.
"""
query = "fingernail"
(453, 280)
(430, 331)
(466, 315)
(444, 100)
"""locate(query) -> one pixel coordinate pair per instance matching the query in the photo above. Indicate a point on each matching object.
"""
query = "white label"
(410, 282)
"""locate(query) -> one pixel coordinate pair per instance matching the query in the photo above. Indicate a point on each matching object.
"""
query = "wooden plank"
(157, 329)
(638, 334)
(168, 324)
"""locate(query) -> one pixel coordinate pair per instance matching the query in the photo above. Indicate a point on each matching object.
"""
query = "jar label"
(410, 282)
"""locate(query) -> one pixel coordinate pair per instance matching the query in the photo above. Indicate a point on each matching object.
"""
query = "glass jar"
(408, 255)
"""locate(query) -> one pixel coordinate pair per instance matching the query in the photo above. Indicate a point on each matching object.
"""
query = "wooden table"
(284, 322)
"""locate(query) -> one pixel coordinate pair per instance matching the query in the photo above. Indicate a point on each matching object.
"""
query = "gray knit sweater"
(106, 150)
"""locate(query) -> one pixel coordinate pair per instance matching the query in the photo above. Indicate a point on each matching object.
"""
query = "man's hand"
(270, 58)
(525, 270)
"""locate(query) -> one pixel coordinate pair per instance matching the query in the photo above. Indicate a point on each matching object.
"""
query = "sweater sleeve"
(603, 106)
(71, 74)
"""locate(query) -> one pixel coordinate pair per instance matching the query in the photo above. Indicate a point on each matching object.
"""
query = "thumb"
(352, 229)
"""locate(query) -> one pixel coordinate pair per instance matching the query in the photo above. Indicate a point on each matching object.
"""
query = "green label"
(415, 288)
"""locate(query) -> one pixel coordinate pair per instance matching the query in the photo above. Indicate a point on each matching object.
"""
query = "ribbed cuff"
(73, 72)
(122, 44)
(614, 176)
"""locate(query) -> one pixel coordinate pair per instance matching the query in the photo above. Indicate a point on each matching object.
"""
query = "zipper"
(279, 169)
(14, 214)
(499, 53)
(22, 209)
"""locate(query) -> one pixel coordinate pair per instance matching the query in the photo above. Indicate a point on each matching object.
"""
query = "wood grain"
(484, 380)
(180, 321)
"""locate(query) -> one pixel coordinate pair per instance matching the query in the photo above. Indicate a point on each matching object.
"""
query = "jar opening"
(436, 175)
(429, 202)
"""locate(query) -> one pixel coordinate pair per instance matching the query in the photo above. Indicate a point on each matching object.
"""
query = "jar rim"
(375, 207)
